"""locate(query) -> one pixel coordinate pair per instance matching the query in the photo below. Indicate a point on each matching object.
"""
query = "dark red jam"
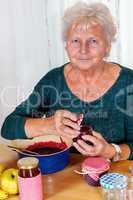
(46, 148)
(28, 173)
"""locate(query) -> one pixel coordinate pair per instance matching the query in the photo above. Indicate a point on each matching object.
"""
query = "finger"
(90, 138)
(70, 123)
(88, 148)
(70, 115)
(69, 131)
(67, 114)
(98, 135)
(79, 148)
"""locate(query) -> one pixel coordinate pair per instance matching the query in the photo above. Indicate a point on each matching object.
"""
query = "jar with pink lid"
(29, 179)
(93, 168)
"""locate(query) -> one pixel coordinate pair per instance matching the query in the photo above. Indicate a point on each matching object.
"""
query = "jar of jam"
(29, 179)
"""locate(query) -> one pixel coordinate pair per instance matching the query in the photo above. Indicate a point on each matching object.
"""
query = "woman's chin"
(84, 66)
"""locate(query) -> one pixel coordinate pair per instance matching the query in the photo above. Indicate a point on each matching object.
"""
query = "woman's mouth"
(84, 59)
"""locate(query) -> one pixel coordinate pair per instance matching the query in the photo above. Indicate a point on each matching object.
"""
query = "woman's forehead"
(87, 28)
(84, 24)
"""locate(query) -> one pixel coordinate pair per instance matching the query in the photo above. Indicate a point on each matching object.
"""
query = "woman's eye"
(75, 41)
(93, 41)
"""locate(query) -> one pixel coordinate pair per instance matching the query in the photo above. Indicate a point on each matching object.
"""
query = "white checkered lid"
(113, 180)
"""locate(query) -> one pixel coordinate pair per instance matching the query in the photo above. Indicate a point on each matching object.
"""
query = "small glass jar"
(130, 184)
(29, 179)
(93, 168)
(114, 186)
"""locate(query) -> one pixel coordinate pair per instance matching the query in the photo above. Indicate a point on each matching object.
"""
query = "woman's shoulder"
(127, 69)
(128, 73)
(53, 73)
(52, 76)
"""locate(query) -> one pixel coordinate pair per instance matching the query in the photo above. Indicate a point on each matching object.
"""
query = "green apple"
(9, 181)
(3, 195)
(2, 167)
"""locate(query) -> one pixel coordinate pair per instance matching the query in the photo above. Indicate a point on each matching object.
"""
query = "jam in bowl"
(52, 152)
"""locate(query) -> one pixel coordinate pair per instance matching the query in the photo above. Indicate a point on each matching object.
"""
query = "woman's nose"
(84, 49)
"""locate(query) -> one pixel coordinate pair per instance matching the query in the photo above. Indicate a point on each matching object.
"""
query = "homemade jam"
(46, 148)
(29, 176)
(93, 168)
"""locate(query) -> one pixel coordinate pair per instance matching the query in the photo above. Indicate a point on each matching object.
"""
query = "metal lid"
(113, 180)
(27, 163)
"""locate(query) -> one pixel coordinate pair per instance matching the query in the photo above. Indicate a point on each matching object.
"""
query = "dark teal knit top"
(111, 114)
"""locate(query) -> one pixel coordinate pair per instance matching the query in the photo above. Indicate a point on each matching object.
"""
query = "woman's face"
(86, 47)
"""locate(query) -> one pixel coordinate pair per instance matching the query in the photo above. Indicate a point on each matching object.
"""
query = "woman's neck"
(86, 76)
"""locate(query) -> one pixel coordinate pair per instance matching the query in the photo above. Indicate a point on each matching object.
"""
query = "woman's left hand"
(100, 146)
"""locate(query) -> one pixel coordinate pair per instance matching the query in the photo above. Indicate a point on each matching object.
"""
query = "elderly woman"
(88, 84)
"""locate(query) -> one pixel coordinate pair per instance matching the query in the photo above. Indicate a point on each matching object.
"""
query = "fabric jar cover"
(93, 168)
(111, 180)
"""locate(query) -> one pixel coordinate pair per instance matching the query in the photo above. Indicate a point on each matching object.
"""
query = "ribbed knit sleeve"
(128, 112)
(35, 106)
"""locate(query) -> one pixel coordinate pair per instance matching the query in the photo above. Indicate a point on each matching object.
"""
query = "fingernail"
(77, 133)
(78, 128)
(79, 141)
(80, 118)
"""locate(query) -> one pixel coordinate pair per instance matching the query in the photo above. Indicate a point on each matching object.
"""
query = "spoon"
(25, 151)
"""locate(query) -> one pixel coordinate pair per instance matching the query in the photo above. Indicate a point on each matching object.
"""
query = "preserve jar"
(29, 179)
(130, 183)
(114, 186)
(93, 168)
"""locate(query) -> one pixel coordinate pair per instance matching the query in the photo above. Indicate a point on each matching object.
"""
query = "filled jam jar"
(29, 179)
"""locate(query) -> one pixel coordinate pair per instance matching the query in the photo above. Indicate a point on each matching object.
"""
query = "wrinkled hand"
(100, 146)
(66, 123)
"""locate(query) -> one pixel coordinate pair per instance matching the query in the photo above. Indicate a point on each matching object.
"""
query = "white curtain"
(126, 32)
(30, 44)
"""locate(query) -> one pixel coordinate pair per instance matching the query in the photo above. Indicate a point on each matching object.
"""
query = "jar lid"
(27, 163)
(98, 163)
(113, 180)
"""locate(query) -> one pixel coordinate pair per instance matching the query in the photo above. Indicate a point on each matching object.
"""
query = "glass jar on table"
(29, 179)
(130, 184)
(114, 186)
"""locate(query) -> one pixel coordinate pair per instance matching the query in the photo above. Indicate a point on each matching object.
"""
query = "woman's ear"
(108, 49)
(65, 44)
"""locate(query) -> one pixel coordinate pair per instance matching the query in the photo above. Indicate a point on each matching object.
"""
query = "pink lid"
(97, 163)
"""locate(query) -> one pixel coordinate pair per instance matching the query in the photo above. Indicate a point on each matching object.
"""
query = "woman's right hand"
(63, 123)
(66, 123)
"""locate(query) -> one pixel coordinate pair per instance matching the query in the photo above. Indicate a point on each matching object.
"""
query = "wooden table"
(67, 185)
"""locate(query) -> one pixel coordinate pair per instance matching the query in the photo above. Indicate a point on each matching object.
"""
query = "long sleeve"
(34, 107)
(129, 134)
(129, 114)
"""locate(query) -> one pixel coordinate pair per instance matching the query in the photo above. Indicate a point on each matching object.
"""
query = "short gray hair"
(91, 13)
